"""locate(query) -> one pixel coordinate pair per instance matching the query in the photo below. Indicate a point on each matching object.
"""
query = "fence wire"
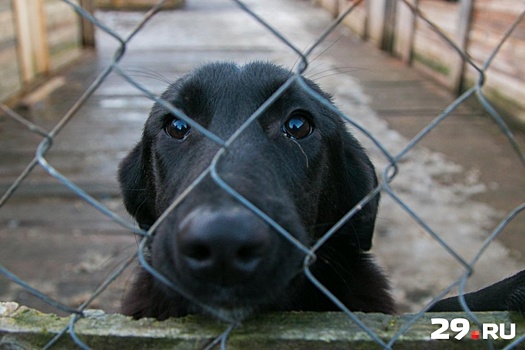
(304, 58)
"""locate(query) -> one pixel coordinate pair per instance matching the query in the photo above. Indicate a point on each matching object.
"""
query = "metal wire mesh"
(304, 57)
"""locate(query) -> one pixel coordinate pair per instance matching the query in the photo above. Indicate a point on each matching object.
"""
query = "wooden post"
(389, 28)
(406, 31)
(88, 29)
(457, 62)
(31, 37)
(375, 31)
(365, 35)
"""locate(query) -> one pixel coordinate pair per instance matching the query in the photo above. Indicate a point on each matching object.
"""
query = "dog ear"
(354, 179)
(136, 185)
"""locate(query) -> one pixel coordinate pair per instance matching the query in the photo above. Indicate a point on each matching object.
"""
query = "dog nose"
(224, 246)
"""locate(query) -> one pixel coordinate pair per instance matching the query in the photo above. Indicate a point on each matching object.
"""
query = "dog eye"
(178, 129)
(297, 126)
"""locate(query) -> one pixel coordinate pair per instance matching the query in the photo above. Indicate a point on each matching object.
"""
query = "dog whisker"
(148, 73)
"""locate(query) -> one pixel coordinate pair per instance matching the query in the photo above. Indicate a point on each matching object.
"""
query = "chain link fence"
(304, 57)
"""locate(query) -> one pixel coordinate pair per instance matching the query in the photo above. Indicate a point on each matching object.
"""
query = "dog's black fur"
(222, 257)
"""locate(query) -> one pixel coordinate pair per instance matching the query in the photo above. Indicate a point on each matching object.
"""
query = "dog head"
(296, 163)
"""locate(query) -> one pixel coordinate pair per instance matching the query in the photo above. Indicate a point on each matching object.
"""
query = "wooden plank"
(405, 31)
(24, 38)
(64, 33)
(39, 34)
(357, 19)
(27, 328)
(457, 67)
(389, 27)
(88, 29)
(31, 36)
(376, 21)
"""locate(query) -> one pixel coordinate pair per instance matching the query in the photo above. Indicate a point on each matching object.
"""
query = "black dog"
(297, 163)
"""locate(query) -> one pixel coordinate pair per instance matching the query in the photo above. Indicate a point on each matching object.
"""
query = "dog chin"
(228, 306)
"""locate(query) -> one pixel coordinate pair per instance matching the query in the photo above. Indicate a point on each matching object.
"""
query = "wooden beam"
(457, 62)
(406, 31)
(21, 327)
(31, 37)
(88, 29)
(389, 28)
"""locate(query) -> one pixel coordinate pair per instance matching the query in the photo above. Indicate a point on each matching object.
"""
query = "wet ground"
(461, 179)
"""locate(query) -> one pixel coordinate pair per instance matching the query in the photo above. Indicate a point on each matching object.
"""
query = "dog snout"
(225, 246)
